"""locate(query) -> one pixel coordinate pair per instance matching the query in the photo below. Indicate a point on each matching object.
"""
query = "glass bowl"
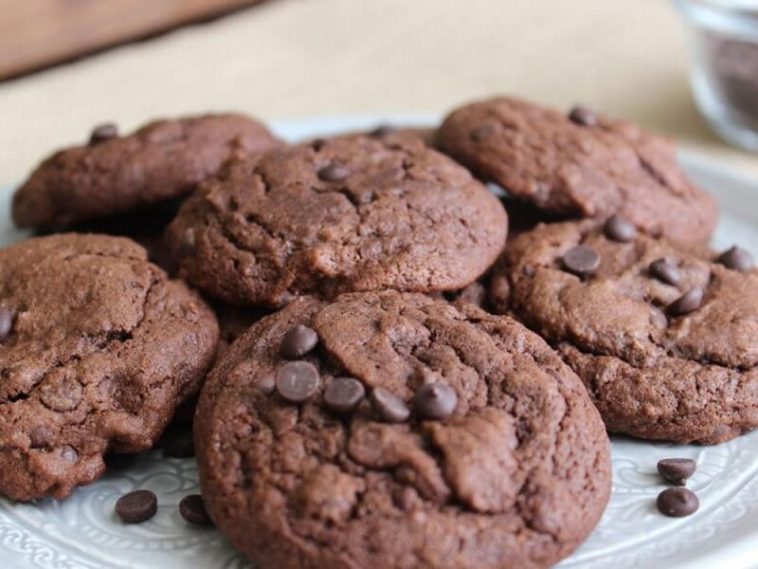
(723, 42)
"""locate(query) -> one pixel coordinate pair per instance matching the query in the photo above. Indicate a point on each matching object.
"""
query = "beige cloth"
(301, 58)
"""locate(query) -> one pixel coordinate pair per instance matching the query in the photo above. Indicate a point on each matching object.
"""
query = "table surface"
(302, 58)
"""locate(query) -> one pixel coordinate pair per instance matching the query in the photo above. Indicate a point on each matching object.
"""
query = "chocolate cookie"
(344, 214)
(97, 349)
(580, 166)
(113, 175)
(665, 341)
(394, 430)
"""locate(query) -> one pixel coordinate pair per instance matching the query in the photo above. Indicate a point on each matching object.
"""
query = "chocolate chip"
(317, 144)
(6, 322)
(581, 260)
(61, 394)
(688, 302)
(266, 384)
(103, 132)
(677, 502)
(737, 259)
(69, 453)
(665, 271)
(297, 381)
(619, 229)
(389, 406)
(676, 470)
(137, 506)
(435, 401)
(481, 132)
(381, 130)
(343, 394)
(333, 173)
(582, 116)
(179, 444)
(192, 509)
(186, 245)
(40, 436)
(298, 342)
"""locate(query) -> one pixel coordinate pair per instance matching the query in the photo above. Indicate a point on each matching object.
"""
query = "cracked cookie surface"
(163, 160)
(677, 361)
(592, 170)
(97, 349)
(338, 215)
(513, 470)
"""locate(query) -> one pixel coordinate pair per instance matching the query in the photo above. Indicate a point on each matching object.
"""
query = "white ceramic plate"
(83, 531)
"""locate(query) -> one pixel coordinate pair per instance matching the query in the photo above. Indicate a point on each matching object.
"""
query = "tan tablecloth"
(298, 58)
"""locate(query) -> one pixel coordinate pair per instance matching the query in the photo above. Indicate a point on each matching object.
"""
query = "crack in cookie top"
(666, 341)
(97, 349)
(117, 174)
(406, 432)
(581, 165)
(338, 215)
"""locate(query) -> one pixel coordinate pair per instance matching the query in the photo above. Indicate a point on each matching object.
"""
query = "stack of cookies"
(387, 376)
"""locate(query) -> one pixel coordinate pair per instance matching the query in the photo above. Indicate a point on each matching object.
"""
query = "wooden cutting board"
(39, 33)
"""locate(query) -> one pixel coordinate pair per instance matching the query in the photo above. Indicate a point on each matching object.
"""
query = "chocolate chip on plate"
(582, 116)
(103, 132)
(677, 502)
(297, 381)
(343, 394)
(192, 509)
(619, 229)
(435, 401)
(688, 302)
(137, 506)
(333, 173)
(389, 406)
(581, 260)
(737, 259)
(6, 322)
(665, 271)
(676, 470)
(298, 342)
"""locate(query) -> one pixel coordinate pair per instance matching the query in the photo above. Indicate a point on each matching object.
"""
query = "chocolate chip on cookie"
(737, 258)
(343, 394)
(298, 342)
(581, 260)
(665, 271)
(580, 166)
(358, 213)
(388, 406)
(103, 132)
(102, 349)
(664, 339)
(297, 381)
(502, 442)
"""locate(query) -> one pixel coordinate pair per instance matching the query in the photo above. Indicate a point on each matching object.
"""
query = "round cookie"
(430, 436)
(112, 175)
(97, 349)
(665, 341)
(585, 166)
(338, 215)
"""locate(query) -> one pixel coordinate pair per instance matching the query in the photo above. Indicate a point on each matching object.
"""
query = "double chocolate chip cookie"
(389, 429)
(344, 214)
(116, 174)
(582, 165)
(97, 349)
(664, 340)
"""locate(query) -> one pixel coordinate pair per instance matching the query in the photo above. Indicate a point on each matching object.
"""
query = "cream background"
(300, 58)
